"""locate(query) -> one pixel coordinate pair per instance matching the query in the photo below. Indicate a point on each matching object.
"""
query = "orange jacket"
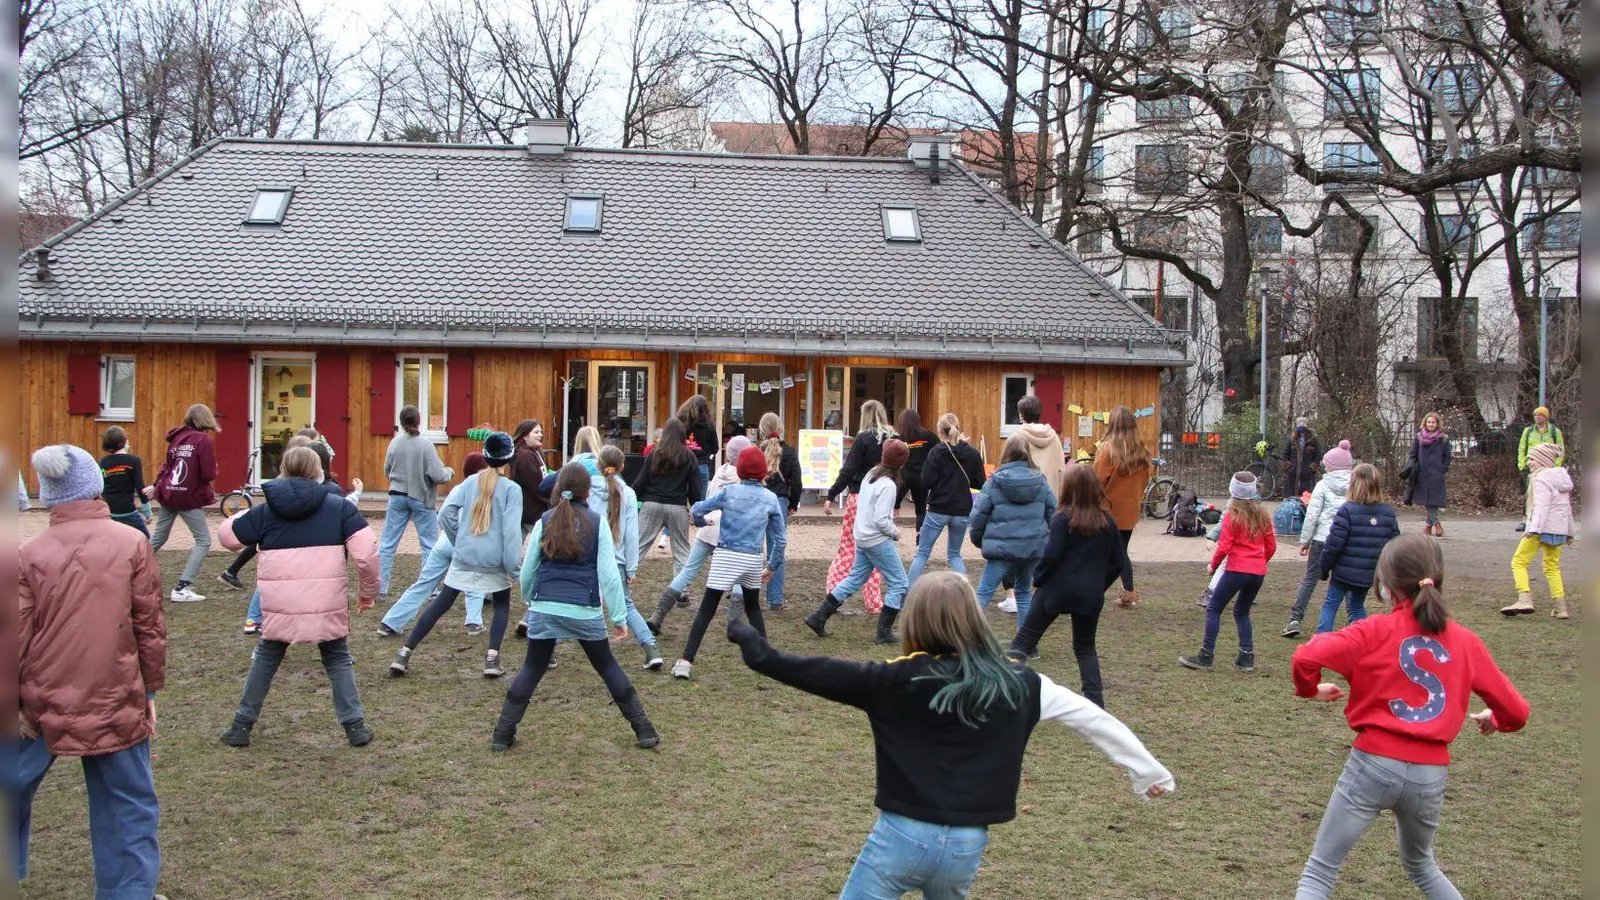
(1126, 492)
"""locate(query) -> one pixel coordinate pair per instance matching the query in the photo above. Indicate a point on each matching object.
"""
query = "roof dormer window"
(900, 223)
(583, 212)
(269, 206)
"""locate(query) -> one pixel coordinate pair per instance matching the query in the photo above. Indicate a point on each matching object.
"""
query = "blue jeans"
(932, 524)
(1019, 570)
(636, 623)
(699, 553)
(1340, 594)
(132, 520)
(435, 565)
(775, 587)
(337, 662)
(903, 855)
(403, 509)
(1233, 584)
(123, 813)
(884, 557)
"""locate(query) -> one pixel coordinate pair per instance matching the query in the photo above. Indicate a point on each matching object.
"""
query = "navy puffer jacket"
(1358, 536)
(1011, 517)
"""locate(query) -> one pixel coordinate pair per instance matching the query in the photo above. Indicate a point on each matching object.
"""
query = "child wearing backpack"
(1548, 529)
(1247, 545)
(124, 477)
(1010, 521)
(1326, 498)
(1361, 527)
(1411, 673)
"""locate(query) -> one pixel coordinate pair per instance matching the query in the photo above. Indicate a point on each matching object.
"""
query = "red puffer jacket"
(90, 634)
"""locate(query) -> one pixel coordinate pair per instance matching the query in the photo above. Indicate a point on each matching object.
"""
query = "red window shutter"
(380, 389)
(333, 398)
(232, 409)
(458, 388)
(83, 384)
(1050, 390)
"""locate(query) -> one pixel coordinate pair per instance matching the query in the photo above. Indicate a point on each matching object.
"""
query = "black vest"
(574, 581)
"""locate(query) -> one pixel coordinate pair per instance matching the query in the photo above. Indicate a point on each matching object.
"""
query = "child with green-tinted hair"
(950, 718)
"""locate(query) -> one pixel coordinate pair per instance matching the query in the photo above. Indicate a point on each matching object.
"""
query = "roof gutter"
(1087, 352)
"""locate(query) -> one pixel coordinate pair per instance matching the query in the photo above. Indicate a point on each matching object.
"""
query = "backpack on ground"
(1289, 516)
(1185, 515)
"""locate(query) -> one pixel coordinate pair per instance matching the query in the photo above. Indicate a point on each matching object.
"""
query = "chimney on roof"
(930, 151)
(548, 137)
(41, 263)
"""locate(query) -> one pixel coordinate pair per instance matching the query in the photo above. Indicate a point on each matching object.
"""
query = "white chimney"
(548, 137)
(919, 148)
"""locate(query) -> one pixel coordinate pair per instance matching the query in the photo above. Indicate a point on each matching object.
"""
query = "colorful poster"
(1085, 426)
(688, 374)
(821, 455)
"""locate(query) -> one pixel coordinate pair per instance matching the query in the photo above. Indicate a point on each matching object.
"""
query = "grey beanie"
(67, 473)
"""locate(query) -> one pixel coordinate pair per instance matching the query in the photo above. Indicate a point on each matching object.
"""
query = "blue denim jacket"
(747, 508)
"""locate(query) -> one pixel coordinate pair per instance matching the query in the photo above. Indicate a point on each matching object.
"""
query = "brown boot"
(1523, 606)
(1438, 530)
(1560, 611)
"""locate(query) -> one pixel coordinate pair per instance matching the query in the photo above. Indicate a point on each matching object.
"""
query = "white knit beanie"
(67, 473)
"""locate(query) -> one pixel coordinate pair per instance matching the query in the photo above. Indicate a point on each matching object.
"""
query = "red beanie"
(752, 464)
(473, 464)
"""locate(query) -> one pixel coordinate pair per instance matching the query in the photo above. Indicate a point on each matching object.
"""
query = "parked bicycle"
(1161, 495)
(1265, 469)
(243, 497)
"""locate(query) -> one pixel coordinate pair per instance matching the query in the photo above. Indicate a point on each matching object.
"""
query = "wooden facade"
(354, 398)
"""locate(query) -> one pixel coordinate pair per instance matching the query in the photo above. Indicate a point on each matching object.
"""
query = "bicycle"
(242, 498)
(1265, 469)
(1161, 495)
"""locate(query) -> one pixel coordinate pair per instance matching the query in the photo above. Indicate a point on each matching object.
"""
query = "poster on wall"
(736, 397)
(821, 455)
(1086, 426)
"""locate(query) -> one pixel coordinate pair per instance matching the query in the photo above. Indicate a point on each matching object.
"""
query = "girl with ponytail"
(487, 551)
(952, 473)
(574, 587)
(1411, 673)
(615, 502)
(951, 718)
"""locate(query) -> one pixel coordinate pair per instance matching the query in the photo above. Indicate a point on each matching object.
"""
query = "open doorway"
(741, 393)
(286, 403)
(845, 388)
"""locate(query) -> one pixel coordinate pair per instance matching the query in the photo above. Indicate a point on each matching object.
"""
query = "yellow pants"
(1527, 549)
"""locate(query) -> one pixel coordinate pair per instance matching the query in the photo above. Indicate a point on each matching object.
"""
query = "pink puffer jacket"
(1552, 502)
(304, 531)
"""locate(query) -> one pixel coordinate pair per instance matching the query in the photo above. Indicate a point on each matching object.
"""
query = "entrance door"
(286, 398)
(736, 391)
(845, 388)
(619, 403)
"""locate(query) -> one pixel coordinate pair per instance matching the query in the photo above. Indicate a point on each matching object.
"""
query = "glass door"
(845, 388)
(741, 393)
(620, 403)
(287, 403)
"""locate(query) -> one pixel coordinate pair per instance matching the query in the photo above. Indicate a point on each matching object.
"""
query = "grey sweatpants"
(1308, 582)
(652, 516)
(1370, 784)
(196, 520)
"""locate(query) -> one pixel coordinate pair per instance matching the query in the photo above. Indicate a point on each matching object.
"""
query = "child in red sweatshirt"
(1412, 673)
(1247, 545)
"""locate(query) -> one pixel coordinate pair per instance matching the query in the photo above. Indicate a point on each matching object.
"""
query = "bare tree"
(667, 84)
(789, 50)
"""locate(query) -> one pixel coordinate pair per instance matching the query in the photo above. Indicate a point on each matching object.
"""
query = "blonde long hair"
(949, 428)
(199, 418)
(1122, 446)
(770, 432)
(483, 504)
(587, 440)
(875, 418)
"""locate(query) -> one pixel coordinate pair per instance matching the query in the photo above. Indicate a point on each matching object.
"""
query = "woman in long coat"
(1429, 461)
(1302, 452)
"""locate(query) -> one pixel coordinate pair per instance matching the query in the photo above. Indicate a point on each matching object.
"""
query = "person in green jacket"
(1542, 431)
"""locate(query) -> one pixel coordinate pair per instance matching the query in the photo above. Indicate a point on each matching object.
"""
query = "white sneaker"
(662, 543)
(1009, 604)
(185, 595)
(681, 669)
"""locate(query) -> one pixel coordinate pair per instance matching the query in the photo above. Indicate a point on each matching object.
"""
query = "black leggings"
(1083, 631)
(919, 497)
(1127, 573)
(537, 663)
(501, 601)
(243, 559)
(708, 610)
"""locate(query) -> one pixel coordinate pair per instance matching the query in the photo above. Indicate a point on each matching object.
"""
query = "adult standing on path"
(866, 452)
(414, 471)
(1301, 452)
(1542, 431)
(91, 653)
(1429, 461)
(527, 469)
(184, 490)
(1123, 466)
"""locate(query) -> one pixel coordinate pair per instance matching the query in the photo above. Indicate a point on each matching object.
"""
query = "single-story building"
(287, 283)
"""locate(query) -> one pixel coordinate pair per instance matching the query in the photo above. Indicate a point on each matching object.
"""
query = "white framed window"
(116, 388)
(1013, 387)
(900, 223)
(583, 212)
(268, 206)
(421, 381)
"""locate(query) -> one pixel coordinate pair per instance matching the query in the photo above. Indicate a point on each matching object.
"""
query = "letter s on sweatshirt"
(1413, 670)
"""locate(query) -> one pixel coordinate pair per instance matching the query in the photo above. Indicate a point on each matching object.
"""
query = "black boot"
(818, 620)
(669, 598)
(505, 731)
(886, 635)
(1201, 661)
(633, 711)
(358, 733)
(238, 734)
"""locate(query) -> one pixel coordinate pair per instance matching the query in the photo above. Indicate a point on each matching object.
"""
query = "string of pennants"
(1104, 416)
(765, 387)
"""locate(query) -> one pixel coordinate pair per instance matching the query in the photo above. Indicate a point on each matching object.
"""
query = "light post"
(1550, 293)
(1261, 400)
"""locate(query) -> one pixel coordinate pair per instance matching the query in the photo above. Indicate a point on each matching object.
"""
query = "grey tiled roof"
(416, 239)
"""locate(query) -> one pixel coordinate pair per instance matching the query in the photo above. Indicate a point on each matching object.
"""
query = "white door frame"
(595, 365)
(258, 360)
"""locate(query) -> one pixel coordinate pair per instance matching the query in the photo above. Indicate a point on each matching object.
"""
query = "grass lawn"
(759, 791)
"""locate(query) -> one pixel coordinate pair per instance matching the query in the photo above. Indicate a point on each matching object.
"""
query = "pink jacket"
(304, 533)
(1552, 502)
